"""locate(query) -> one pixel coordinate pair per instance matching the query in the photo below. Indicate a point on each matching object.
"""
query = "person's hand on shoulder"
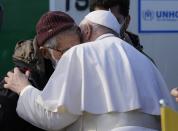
(16, 81)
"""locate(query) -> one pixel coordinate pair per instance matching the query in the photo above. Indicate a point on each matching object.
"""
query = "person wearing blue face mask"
(120, 9)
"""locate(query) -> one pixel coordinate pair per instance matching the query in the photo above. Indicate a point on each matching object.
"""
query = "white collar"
(105, 35)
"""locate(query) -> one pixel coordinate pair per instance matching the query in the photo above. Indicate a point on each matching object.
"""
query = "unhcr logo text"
(160, 15)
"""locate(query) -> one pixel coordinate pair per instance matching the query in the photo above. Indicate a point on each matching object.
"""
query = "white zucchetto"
(104, 18)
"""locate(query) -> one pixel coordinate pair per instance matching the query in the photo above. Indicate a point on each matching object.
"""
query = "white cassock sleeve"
(31, 111)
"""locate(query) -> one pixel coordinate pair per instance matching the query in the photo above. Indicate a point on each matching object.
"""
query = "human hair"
(52, 42)
(124, 5)
(103, 29)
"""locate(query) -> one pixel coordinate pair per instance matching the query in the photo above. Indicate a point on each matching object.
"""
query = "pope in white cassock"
(104, 84)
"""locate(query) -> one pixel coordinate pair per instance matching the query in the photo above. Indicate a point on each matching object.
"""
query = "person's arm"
(31, 111)
(28, 107)
(63, 90)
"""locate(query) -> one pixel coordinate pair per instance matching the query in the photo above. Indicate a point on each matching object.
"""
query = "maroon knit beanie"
(50, 24)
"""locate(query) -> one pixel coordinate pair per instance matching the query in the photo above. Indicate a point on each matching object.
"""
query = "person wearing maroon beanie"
(56, 28)
(56, 32)
(120, 9)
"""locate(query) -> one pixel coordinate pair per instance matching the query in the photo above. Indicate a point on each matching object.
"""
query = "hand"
(16, 81)
(174, 92)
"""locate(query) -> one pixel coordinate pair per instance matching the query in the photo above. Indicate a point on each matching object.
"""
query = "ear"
(45, 53)
(86, 32)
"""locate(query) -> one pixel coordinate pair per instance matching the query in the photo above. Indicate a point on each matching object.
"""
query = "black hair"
(124, 5)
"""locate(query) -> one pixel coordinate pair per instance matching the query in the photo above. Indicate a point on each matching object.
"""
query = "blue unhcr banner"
(158, 16)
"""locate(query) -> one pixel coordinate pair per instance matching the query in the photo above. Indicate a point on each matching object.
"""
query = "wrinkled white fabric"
(103, 76)
(133, 128)
(126, 128)
(113, 122)
(29, 110)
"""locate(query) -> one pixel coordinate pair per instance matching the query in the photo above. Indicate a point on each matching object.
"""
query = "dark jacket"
(26, 58)
(135, 41)
(9, 120)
